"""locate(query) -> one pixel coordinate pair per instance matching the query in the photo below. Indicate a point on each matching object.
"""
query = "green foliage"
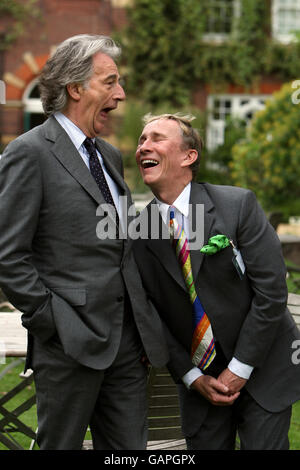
(221, 158)
(17, 13)
(294, 434)
(268, 160)
(160, 49)
(282, 62)
(293, 277)
(239, 59)
(167, 52)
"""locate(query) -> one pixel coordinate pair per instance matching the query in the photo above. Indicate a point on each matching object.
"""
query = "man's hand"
(216, 392)
(232, 381)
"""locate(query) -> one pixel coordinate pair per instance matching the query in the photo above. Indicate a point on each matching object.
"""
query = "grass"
(12, 378)
(293, 279)
(294, 434)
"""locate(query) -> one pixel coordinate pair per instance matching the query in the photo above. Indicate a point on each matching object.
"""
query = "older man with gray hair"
(89, 322)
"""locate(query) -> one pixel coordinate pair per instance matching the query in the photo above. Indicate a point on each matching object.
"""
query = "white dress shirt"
(78, 137)
(181, 209)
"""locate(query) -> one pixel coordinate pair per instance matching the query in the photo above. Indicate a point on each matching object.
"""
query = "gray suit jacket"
(249, 317)
(53, 267)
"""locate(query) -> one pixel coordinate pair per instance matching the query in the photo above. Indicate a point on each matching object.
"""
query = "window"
(33, 109)
(222, 106)
(220, 16)
(285, 19)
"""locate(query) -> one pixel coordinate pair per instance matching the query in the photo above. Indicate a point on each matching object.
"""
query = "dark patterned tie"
(98, 174)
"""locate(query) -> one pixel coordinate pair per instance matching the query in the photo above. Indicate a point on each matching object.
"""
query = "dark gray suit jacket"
(53, 267)
(249, 317)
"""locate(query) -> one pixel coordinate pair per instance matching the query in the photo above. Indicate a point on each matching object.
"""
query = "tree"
(167, 51)
(218, 161)
(268, 160)
(161, 46)
(16, 12)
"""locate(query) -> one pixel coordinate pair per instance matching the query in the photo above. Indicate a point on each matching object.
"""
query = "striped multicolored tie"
(203, 345)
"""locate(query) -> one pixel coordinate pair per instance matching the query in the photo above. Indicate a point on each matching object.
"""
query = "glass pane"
(288, 19)
(35, 93)
(219, 16)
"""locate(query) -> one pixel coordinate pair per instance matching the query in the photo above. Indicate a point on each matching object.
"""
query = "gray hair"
(72, 62)
(190, 136)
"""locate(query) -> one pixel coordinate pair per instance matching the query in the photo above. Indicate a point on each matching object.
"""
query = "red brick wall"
(59, 20)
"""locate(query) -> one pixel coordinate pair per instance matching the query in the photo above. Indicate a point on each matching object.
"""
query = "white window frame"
(276, 10)
(215, 130)
(221, 37)
(32, 105)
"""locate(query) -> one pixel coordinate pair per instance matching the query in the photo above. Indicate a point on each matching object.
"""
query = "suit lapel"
(65, 151)
(116, 176)
(161, 247)
(124, 190)
(200, 196)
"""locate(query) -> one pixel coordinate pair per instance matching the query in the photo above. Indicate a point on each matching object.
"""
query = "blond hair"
(190, 136)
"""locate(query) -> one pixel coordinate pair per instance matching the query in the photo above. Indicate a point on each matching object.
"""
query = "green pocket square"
(215, 244)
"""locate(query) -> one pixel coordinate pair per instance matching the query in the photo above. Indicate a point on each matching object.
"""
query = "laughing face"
(100, 96)
(163, 160)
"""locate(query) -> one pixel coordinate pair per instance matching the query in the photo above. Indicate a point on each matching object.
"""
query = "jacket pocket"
(75, 297)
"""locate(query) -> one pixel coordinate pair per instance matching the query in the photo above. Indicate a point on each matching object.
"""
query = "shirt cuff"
(191, 376)
(235, 366)
(239, 368)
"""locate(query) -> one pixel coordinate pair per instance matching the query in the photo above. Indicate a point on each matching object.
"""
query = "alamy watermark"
(147, 224)
(296, 94)
(296, 353)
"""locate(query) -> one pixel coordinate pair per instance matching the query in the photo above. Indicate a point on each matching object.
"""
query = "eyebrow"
(153, 134)
(113, 76)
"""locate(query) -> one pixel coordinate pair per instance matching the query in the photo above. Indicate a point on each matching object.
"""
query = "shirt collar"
(181, 204)
(73, 131)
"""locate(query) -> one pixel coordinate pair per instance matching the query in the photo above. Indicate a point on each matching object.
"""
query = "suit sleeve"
(265, 267)
(21, 197)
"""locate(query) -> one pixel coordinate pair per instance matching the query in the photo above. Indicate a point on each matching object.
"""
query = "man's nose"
(120, 93)
(145, 146)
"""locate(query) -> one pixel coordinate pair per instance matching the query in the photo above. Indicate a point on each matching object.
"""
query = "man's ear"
(190, 157)
(75, 90)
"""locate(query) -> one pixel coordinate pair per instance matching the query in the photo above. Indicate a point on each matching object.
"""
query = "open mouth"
(149, 163)
(107, 110)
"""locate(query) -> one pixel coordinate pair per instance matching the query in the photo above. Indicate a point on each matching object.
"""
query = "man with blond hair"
(224, 305)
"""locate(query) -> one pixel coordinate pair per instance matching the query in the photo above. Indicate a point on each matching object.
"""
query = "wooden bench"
(11, 420)
(13, 343)
(164, 428)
